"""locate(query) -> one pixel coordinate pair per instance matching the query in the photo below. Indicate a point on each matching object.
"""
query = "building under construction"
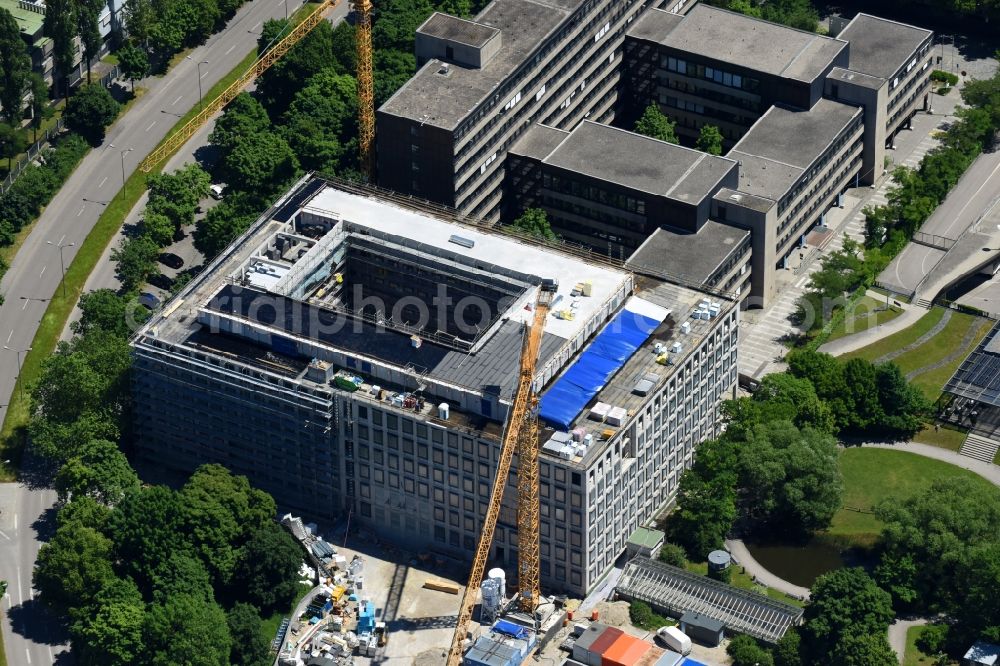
(355, 354)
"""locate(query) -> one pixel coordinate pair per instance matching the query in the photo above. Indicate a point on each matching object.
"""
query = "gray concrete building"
(352, 353)
(888, 74)
(712, 66)
(617, 192)
(794, 166)
(444, 135)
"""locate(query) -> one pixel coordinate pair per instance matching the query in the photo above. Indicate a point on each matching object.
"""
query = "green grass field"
(933, 381)
(900, 339)
(946, 437)
(913, 656)
(871, 475)
(866, 313)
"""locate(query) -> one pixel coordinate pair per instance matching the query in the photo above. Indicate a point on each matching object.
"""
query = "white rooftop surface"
(490, 248)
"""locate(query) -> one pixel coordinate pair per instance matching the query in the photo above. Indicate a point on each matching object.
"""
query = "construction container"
(625, 651)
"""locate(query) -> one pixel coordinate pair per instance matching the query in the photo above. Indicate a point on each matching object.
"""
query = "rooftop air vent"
(444, 69)
(461, 240)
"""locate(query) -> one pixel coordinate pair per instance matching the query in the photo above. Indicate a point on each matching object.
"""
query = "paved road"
(31, 635)
(35, 272)
(971, 197)
(897, 634)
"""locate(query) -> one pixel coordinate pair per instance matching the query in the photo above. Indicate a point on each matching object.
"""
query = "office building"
(354, 354)
(445, 134)
(629, 196)
(716, 67)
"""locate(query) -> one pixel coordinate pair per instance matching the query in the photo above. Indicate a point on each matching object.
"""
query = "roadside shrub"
(90, 111)
(944, 77)
(746, 652)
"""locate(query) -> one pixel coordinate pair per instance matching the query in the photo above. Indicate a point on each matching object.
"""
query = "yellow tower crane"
(366, 120)
(520, 434)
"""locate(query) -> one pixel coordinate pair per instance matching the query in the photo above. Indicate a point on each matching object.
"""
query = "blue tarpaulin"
(561, 404)
(511, 629)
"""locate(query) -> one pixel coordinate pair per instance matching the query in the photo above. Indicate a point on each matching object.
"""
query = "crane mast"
(520, 435)
(366, 86)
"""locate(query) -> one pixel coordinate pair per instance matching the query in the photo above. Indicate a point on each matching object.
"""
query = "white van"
(216, 190)
(674, 639)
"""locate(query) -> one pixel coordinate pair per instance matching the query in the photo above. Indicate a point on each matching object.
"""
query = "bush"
(933, 638)
(673, 555)
(746, 652)
(944, 77)
(642, 616)
(943, 91)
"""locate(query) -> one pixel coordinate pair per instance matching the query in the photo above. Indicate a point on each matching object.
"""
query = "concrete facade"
(252, 387)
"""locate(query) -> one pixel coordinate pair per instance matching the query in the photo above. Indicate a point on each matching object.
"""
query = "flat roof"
(785, 142)
(644, 536)
(692, 258)
(463, 31)
(743, 40)
(28, 21)
(857, 78)
(744, 199)
(879, 47)
(444, 100)
(628, 159)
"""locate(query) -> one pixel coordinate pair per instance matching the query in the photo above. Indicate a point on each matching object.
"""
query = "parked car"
(216, 191)
(170, 259)
(149, 300)
(161, 281)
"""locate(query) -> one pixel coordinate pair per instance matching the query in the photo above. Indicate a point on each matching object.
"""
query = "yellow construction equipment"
(366, 120)
(366, 86)
(520, 434)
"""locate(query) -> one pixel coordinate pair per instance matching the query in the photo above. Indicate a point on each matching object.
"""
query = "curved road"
(30, 638)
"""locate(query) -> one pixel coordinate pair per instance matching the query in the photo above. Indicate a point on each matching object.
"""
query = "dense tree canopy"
(186, 629)
(15, 68)
(98, 470)
(110, 630)
(843, 604)
(249, 648)
(73, 567)
(268, 566)
(90, 111)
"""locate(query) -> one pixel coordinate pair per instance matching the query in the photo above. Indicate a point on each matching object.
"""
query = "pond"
(799, 564)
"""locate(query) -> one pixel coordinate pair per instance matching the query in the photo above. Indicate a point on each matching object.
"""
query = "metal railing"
(933, 241)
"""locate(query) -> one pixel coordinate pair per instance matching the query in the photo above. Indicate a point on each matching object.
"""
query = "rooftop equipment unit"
(467, 243)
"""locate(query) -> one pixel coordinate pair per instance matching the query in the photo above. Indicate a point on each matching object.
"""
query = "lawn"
(744, 582)
(865, 314)
(913, 656)
(946, 437)
(932, 381)
(900, 339)
(941, 345)
(871, 475)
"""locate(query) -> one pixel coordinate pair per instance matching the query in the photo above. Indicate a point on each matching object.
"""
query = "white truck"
(674, 639)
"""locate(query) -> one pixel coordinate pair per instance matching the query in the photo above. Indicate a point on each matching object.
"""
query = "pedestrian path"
(741, 555)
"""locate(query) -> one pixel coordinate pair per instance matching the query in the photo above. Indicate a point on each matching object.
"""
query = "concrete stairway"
(979, 447)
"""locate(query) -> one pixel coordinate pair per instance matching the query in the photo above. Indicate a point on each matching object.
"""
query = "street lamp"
(62, 263)
(18, 352)
(205, 62)
(123, 152)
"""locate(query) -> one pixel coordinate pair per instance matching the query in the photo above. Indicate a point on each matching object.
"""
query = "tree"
(147, 527)
(312, 54)
(249, 648)
(90, 112)
(109, 631)
(321, 123)
(843, 603)
(977, 607)
(181, 22)
(782, 396)
(221, 512)
(864, 650)
(902, 404)
(136, 259)
(535, 222)
(745, 651)
(139, 18)
(105, 310)
(134, 63)
(705, 513)
(926, 539)
(12, 143)
(653, 123)
(181, 573)
(15, 68)
(85, 511)
(787, 650)
(186, 629)
(261, 162)
(60, 25)
(40, 109)
(73, 567)
(88, 14)
(99, 471)
(176, 196)
(266, 573)
(222, 224)
(709, 140)
(242, 118)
